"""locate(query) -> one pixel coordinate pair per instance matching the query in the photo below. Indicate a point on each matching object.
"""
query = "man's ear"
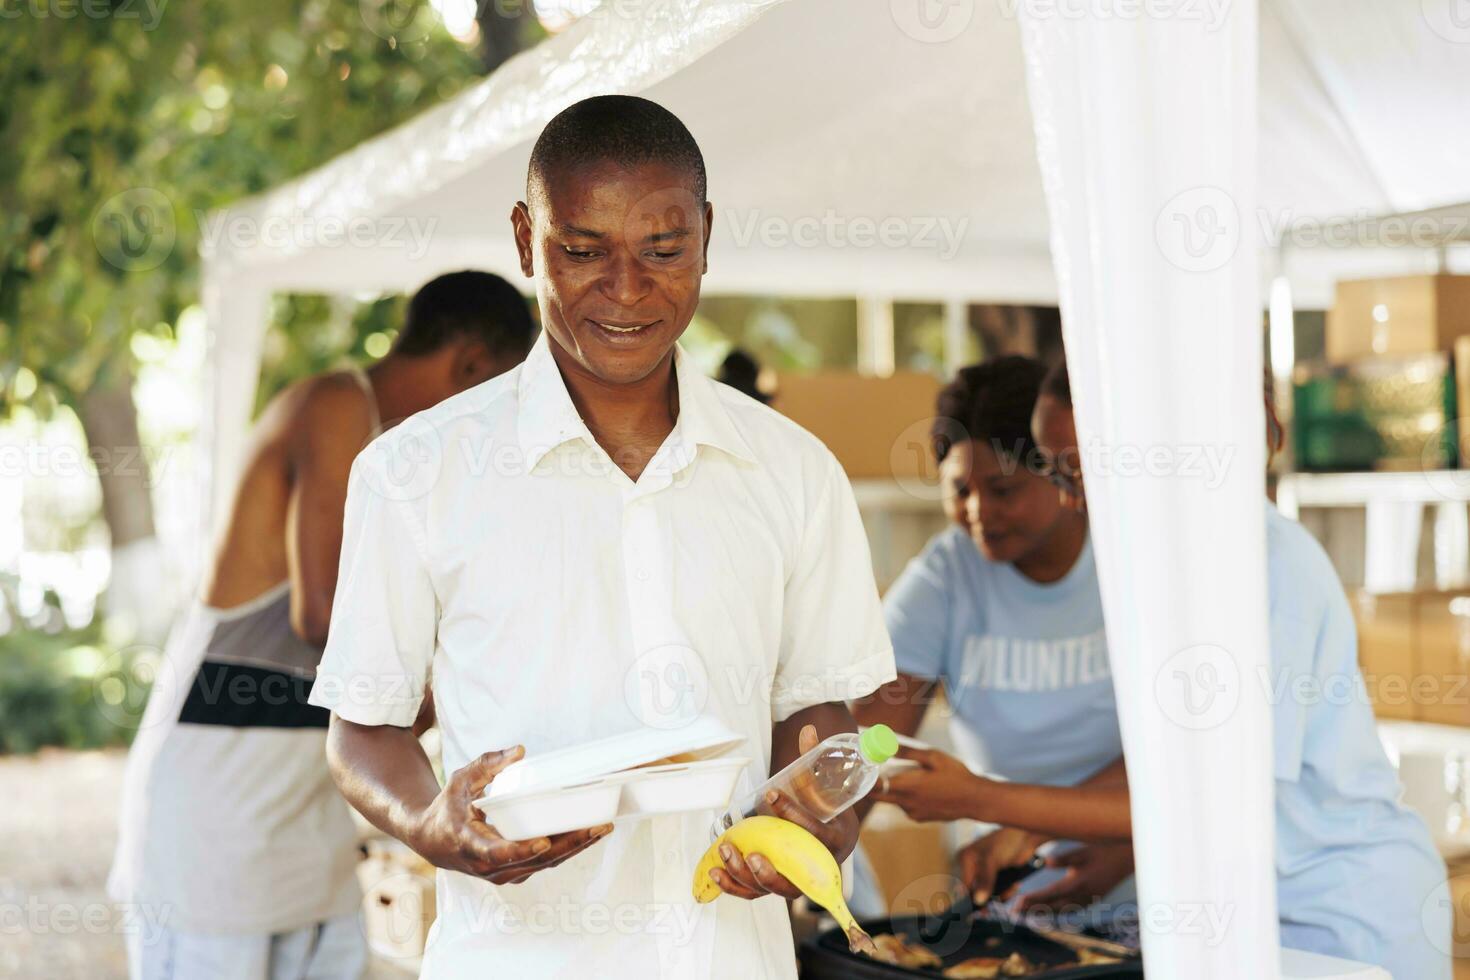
(709, 231)
(520, 223)
(472, 364)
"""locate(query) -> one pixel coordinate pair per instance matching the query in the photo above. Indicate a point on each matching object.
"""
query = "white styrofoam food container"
(556, 811)
(681, 787)
(619, 777)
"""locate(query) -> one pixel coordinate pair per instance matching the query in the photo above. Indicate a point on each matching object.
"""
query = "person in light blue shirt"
(1357, 873)
(1002, 609)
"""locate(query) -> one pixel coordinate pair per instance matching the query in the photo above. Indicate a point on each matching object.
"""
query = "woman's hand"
(751, 875)
(986, 857)
(939, 788)
(452, 833)
(1093, 870)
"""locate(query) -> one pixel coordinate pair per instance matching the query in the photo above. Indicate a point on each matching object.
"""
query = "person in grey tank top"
(232, 836)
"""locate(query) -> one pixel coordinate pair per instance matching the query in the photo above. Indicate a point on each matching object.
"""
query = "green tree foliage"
(123, 121)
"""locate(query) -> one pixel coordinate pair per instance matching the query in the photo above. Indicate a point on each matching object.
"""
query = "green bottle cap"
(878, 744)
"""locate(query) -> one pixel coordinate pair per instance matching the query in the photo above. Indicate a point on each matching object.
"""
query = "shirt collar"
(547, 418)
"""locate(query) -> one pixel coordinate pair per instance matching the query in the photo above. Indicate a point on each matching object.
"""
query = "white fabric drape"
(237, 316)
(1146, 136)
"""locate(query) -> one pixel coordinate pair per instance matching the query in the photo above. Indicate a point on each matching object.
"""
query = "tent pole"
(875, 335)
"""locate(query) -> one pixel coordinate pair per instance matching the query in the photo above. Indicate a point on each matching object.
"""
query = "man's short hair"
(478, 305)
(620, 129)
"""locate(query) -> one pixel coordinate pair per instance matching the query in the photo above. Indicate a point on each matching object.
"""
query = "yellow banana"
(798, 856)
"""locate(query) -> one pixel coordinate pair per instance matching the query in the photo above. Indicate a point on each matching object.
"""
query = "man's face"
(1008, 511)
(1054, 428)
(617, 254)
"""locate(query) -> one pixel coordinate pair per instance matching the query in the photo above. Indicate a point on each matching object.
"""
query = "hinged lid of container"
(703, 738)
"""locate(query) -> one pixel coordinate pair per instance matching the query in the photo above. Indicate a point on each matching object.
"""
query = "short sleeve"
(380, 643)
(1294, 643)
(834, 646)
(917, 610)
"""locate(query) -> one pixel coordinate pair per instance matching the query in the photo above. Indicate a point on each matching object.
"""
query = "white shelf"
(1296, 490)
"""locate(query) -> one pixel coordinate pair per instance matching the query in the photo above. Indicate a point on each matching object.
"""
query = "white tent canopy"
(828, 111)
(867, 149)
(854, 152)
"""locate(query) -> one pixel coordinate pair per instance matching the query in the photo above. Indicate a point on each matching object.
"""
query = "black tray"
(825, 956)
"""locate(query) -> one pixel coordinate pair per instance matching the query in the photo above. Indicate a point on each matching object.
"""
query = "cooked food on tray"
(1088, 957)
(893, 949)
(976, 968)
(987, 967)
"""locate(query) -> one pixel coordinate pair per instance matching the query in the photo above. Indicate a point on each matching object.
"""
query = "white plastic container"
(620, 777)
(680, 788)
(528, 815)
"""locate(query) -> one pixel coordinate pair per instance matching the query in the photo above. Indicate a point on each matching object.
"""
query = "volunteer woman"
(1357, 873)
(1003, 609)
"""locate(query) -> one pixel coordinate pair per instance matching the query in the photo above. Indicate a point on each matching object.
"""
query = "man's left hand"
(751, 875)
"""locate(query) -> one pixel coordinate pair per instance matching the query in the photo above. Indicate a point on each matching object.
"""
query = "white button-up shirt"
(492, 542)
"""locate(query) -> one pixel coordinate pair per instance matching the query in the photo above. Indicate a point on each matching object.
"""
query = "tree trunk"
(136, 588)
(111, 422)
(502, 31)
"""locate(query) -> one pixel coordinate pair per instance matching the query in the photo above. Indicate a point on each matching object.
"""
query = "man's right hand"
(452, 833)
(986, 857)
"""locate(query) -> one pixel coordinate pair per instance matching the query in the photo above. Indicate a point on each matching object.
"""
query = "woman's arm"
(943, 788)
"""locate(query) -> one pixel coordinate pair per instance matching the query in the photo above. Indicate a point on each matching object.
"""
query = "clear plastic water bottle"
(827, 780)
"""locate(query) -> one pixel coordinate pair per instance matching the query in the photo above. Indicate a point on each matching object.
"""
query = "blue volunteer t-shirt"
(1357, 873)
(1024, 664)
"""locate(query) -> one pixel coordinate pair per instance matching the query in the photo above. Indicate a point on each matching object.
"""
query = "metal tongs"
(963, 907)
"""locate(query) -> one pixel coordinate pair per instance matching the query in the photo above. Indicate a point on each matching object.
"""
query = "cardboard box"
(1442, 650)
(1386, 651)
(1404, 315)
(910, 860)
(878, 428)
(399, 903)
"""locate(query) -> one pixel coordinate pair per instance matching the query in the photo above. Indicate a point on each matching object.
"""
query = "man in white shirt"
(600, 540)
